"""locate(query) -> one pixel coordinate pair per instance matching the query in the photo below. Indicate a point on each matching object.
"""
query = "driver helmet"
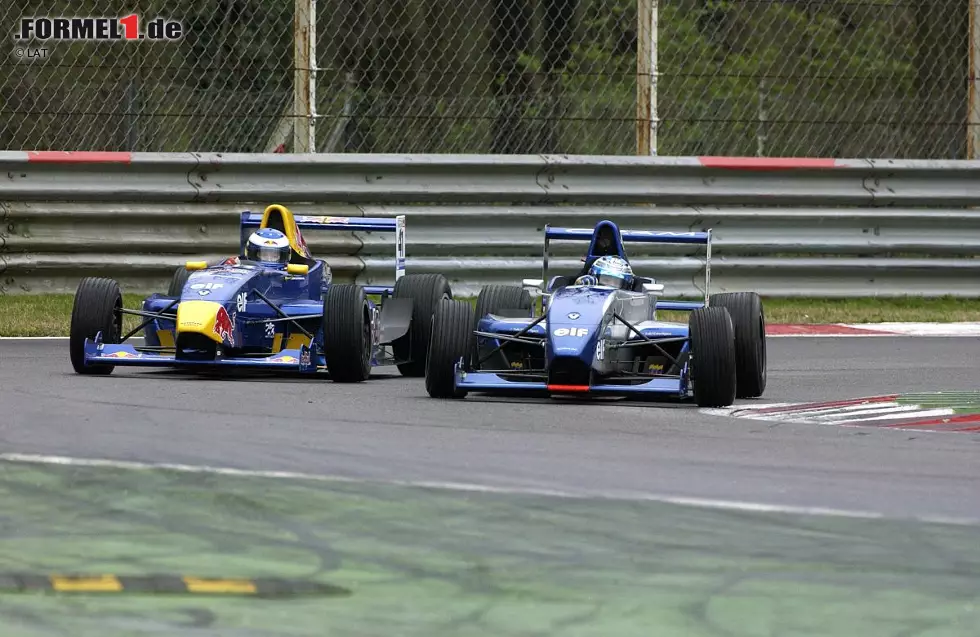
(613, 272)
(268, 246)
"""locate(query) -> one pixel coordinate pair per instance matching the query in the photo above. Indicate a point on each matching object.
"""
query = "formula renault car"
(247, 314)
(594, 339)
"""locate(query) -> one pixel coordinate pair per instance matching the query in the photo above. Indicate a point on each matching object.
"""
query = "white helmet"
(268, 246)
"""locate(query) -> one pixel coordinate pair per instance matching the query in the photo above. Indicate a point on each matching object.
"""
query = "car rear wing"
(637, 236)
(252, 219)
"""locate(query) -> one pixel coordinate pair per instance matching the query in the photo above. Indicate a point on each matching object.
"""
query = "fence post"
(304, 76)
(647, 32)
(973, 105)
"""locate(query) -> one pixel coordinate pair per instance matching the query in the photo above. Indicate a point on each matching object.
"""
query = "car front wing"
(494, 382)
(304, 359)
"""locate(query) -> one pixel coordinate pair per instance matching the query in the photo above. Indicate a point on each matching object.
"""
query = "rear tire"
(712, 357)
(347, 333)
(178, 282)
(492, 299)
(97, 306)
(450, 340)
(749, 321)
(425, 290)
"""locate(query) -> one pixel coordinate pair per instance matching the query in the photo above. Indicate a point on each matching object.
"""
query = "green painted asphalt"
(962, 402)
(428, 562)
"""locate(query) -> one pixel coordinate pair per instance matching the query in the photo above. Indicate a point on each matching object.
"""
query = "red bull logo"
(223, 326)
(122, 354)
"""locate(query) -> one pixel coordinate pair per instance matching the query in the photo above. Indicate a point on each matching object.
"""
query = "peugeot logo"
(574, 315)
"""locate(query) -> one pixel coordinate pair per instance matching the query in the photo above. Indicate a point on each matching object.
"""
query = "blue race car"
(274, 307)
(598, 332)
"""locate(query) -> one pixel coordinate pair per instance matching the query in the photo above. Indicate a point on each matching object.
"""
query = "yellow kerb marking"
(101, 584)
(197, 585)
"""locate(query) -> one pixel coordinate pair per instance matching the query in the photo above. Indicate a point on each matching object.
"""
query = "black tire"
(492, 299)
(425, 290)
(712, 357)
(347, 333)
(749, 321)
(178, 281)
(450, 341)
(96, 309)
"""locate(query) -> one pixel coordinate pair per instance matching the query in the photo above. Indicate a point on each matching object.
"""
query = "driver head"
(269, 247)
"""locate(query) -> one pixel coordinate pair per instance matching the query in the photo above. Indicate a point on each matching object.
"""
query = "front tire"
(749, 321)
(492, 299)
(347, 341)
(97, 306)
(451, 323)
(712, 357)
(425, 290)
(178, 282)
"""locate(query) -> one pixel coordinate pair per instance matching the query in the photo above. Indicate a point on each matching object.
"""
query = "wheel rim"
(366, 340)
(117, 320)
(762, 346)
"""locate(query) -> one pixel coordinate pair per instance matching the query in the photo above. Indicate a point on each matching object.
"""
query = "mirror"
(653, 288)
(196, 265)
(297, 268)
(533, 283)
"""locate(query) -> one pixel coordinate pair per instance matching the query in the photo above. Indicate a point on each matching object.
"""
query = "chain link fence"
(882, 78)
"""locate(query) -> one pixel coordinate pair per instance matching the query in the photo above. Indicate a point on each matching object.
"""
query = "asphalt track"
(389, 430)
(534, 545)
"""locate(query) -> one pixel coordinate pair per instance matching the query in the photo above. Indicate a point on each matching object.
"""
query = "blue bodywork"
(266, 306)
(588, 339)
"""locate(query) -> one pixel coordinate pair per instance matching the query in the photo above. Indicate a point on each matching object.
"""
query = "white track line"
(844, 336)
(870, 411)
(963, 328)
(706, 503)
(926, 413)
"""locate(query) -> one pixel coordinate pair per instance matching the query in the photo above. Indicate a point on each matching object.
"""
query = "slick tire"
(712, 357)
(347, 333)
(178, 282)
(749, 321)
(492, 299)
(97, 306)
(425, 290)
(450, 341)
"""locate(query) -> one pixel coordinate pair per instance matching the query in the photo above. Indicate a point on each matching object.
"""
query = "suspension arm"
(647, 340)
(150, 317)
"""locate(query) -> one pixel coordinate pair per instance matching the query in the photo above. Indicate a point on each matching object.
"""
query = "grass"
(50, 315)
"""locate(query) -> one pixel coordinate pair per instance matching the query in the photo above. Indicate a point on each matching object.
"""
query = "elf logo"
(206, 288)
(577, 332)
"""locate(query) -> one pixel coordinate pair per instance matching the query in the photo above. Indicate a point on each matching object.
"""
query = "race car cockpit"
(278, 218)
(606, 242)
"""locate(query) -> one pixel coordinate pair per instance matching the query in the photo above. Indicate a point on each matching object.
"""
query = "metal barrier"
(479, 219)
(539, 179)
(847, 252)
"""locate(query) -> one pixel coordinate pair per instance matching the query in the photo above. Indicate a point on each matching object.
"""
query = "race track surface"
(389, 430)
(530, 543)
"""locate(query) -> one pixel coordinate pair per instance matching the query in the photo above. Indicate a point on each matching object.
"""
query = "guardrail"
(479, 219)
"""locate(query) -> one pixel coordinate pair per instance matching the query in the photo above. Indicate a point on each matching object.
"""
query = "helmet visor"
(268, 254)
(610, 280)
(272, 255)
